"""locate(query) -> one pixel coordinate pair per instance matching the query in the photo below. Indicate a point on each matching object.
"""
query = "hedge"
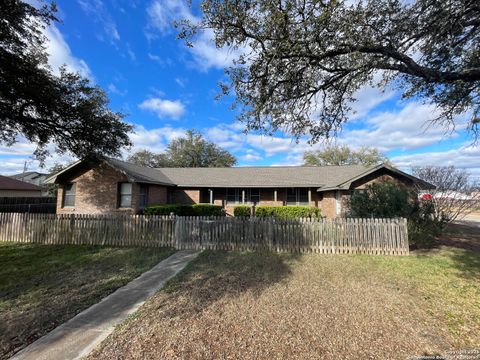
(287, 211)
(185, 210)
(242, 210)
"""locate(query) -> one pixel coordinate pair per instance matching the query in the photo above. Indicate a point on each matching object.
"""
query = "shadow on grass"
(42, 286)
(216, 274)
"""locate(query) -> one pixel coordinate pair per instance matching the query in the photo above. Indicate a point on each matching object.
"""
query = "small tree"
(343, 155)
(189, 151)
(456, 194)
(388, 200)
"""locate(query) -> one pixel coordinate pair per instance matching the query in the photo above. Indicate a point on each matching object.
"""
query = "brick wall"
(97, 192)
(157, 195)
(186, 196)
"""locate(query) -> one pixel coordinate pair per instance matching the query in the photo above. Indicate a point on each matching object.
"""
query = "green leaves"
(343, 155)
(303, 61)
(189, 151)
(65, 109)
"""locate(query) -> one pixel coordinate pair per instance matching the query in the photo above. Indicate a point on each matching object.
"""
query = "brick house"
(114, 186)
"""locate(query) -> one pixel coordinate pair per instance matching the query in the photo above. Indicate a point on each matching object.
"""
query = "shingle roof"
(25, 174)
(141, 173)
(7, 183)
(321, 177)
(254, 177)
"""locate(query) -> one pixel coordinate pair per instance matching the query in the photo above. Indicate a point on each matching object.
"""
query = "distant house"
(35, 178)
(110, 185)
(10, 187)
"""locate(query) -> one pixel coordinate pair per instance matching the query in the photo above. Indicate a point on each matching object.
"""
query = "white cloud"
(163, 13)
(466, 156)
(59, 54)
(131, 53)
(97, 10)
(404, 129)
(181, 81)
(161, 17)
(164, 108)
(250, 156)
(154, 139)
(114, 90)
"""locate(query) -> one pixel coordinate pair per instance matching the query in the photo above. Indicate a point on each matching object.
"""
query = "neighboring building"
(109, 185)
(35, 178)
(10, 187)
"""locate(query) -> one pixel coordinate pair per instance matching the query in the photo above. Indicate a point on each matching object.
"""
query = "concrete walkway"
(81, 334)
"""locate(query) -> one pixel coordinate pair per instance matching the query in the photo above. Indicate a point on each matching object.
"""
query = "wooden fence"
(339, 236)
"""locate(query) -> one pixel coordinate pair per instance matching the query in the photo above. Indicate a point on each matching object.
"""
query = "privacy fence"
(28, 205)
(340, 236)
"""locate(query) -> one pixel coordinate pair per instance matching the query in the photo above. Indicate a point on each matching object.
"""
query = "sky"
(130, 48)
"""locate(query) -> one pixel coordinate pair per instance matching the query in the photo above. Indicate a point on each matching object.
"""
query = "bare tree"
(457, 193)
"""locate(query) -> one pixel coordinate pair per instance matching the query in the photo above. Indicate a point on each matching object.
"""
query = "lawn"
(42, 286)
(244, 305)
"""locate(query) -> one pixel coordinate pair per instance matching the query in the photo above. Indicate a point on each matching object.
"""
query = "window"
(297, 196)
(235, 196)
(143, 196)
(204, 196)
(125, 195)
(69, 195)
(255, 196)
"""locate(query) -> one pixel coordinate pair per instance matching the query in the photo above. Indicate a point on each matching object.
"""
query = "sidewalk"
(81, 334)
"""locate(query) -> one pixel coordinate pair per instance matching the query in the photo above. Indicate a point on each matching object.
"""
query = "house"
(110, 185)
(10, 187)
(35, 178)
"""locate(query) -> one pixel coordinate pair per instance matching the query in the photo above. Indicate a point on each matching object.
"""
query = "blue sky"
(129, 47)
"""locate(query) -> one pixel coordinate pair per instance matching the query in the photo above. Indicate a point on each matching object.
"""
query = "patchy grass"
(244, 305)
(42, 286)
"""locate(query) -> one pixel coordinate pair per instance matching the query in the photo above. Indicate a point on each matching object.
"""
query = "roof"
(7, 183)
(262, 177)
(321, 177)
(26, 174)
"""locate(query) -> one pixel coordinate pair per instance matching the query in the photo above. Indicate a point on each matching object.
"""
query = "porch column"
(275, 196)
(211, 195)
(309, 196)
(243, 196)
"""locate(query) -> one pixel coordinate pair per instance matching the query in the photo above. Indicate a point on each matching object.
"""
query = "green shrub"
(242, 210)
(185, 210)
(287, 211)
(390, 200)
(208, 210)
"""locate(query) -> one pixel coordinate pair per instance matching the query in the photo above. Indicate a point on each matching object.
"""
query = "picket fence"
(339, 236)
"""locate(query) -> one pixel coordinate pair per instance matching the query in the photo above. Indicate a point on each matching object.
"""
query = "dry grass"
(269, 306)
(42, 286)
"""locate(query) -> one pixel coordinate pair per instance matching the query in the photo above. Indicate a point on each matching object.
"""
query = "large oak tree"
(192, 150)
(303, 60)
(64, 109)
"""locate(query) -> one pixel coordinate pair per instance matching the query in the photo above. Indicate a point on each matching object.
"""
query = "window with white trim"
(125, 195)
(297, 196)
(69, 195)
(245, 196)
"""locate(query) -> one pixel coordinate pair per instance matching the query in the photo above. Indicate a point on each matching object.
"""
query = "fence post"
(177, 235)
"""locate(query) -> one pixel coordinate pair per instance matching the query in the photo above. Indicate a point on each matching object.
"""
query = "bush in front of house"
(242, 210)
(185, 210)
(390, 200)
(287, 212)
